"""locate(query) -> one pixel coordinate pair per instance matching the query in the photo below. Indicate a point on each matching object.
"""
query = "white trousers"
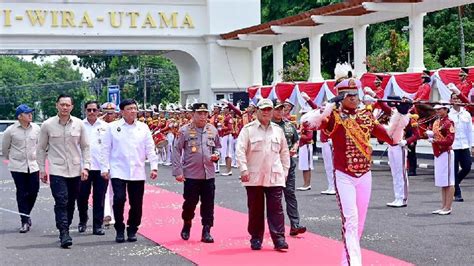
(169, 148)
(109, 201)
(353, 195)
(397, 157)
(234, 157)
(326, 150)
(226, 150)
(305, 157)
(444, 169)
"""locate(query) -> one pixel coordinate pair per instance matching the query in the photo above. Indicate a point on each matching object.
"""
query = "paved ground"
(412, 234)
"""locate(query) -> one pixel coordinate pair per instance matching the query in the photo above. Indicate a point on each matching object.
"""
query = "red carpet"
(162, 224)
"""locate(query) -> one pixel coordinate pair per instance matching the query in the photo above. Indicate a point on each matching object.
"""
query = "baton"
(14, 212)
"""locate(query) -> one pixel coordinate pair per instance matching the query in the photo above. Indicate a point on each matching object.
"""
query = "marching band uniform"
(463, 85)
(397, 157)
(442, 138)
(327, 153)
(350, 131)
(305, 150)
(109, 218)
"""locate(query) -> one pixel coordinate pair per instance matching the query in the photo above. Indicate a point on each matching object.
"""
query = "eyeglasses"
(92, 110)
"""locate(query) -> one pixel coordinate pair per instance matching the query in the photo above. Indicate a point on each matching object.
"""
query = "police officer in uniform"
(292, 138)
(195, 150)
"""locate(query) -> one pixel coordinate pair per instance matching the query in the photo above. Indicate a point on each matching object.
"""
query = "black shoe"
(458, 199)
(255, 244)
(81, 227)
(206, 234)
(24, 228)
(411, 173)
(120, 237)
(29, 222)
(281, 244)
(186, 231)
(65, 239)
(131, 237)
(98, 231)
(297, 230)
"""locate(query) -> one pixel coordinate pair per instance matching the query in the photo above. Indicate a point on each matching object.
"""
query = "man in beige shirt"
(63, 140)
(19, 147)
(263, 158)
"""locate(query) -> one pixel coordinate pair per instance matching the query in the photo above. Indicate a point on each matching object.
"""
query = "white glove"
(430, 134)
(402, 143)
(369, 91)
(454, 89)
(225, 101)
(368, 98)
(305, 96)
(430, 140)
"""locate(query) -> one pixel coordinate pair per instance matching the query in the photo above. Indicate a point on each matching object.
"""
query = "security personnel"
(19, 147)
(195, 151)
(292, 138)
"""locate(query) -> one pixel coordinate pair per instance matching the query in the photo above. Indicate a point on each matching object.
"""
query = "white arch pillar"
(360, 49)
(256, 74)
(277, 62)
(416, 42)
(315, 58)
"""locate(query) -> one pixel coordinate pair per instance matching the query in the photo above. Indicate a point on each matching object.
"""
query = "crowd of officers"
(107, 151)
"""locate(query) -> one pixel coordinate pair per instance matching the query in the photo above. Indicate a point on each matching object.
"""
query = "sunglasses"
(92, 110)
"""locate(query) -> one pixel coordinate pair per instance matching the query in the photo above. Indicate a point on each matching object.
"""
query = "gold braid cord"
(358, 133)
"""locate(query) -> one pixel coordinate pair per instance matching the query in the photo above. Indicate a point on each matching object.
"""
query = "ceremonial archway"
(185, 31)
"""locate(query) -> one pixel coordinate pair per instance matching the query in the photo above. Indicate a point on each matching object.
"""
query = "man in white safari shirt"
(263, 158)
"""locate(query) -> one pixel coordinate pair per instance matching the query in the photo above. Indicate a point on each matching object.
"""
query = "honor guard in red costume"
(441, 138)
(350, 129)
(397, 157)
(463, 85)
(225, 132)
(423, 92)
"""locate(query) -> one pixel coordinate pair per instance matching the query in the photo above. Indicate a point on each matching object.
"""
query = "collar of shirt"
(59, 120)
(123, 123)
(97, 122)
(18, 124)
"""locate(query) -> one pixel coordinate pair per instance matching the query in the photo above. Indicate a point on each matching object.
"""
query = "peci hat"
(200, 107)
(277, 104)
(265, 103)
(108, 107)
(23, 108)
(464, 71)
(426, 74)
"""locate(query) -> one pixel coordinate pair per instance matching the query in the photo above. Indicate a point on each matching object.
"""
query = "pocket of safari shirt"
(56, 137)
(275, 145)
(256, 144)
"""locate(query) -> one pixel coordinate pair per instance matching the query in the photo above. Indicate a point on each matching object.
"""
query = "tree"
(298, 70)
(392, 57)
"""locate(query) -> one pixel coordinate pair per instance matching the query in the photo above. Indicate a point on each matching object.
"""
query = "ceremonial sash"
(360, 138)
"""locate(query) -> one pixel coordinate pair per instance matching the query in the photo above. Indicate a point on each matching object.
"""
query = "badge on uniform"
(193, 149)
(119, 129)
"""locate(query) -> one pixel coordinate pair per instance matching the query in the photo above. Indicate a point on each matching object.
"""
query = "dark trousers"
(290, 197)
(411, 157)
(135, 190)
(98, 197)
(194, 190)
(462, 158)
(65, 191)
(27, 187)
(256, 197)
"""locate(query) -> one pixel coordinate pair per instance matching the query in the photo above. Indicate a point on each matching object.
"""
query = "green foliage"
(298, 70)
(393, 56)
(162, 77)
(39, 86)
